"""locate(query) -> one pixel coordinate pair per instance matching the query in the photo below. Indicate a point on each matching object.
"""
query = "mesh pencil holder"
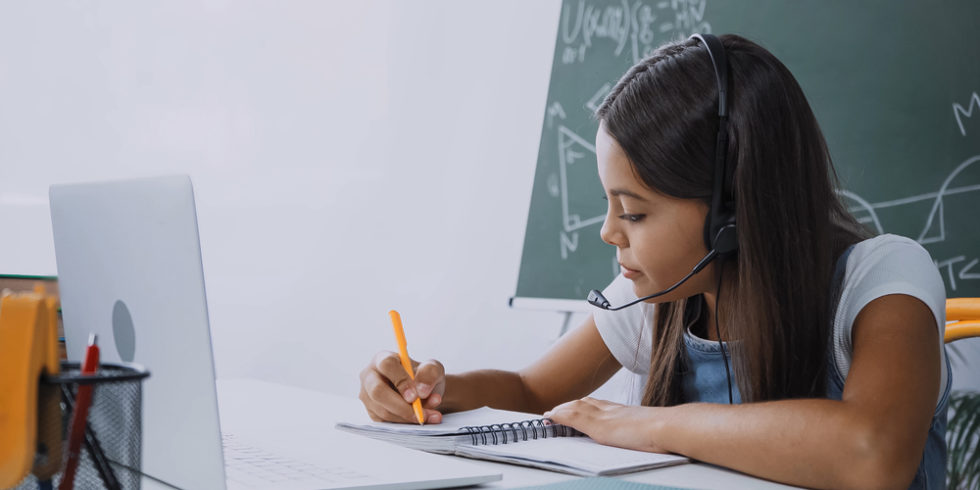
(109, 456)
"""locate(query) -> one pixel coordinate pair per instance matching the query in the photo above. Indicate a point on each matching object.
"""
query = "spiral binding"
(519, 431)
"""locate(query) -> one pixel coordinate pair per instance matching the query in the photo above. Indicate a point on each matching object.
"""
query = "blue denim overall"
(704, 381)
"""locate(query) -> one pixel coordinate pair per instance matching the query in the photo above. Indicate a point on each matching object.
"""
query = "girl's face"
(658, 238)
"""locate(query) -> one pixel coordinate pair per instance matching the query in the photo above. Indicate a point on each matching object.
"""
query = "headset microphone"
(597, 299)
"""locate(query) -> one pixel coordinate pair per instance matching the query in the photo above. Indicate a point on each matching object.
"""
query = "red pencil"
(79, 418)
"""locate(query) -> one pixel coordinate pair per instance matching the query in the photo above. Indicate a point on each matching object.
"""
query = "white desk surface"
(285, 409)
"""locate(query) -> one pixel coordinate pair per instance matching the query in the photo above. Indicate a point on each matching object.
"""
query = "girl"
(811, 355)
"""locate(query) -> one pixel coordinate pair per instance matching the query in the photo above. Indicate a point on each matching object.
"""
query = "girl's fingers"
(432, 416)
(386, 400)
(387, 390)
(389, 366)
(432, 401)
(430, 378)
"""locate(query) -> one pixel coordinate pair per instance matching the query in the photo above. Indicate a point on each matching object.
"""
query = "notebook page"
(452, 423)
(576, 455)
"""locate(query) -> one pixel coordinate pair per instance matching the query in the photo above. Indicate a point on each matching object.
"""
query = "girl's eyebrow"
(627, 193)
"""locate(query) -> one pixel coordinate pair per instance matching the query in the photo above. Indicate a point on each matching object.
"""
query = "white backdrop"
(348, 158)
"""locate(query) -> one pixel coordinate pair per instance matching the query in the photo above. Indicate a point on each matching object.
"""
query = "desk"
(296, 412)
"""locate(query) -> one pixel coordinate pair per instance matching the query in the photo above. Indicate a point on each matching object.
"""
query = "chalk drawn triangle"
(935, 230)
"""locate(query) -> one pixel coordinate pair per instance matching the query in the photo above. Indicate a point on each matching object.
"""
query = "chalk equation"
(639, 25)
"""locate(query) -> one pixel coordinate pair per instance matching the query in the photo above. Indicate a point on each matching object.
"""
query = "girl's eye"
(632, 218)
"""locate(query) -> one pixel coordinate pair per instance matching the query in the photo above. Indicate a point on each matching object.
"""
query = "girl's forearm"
(486, 387)
(813, 442)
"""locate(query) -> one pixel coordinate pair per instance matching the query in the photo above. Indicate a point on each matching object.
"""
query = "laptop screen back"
(129, 269)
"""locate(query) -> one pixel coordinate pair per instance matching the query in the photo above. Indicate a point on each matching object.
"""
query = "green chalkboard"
(894, 86)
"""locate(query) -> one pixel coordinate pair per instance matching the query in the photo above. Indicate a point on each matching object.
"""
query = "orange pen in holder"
(396, 323)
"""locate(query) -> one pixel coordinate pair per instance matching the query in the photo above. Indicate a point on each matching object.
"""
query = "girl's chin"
(640, 289)
(643, 288)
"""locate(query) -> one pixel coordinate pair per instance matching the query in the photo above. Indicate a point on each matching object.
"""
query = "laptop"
(130, 270)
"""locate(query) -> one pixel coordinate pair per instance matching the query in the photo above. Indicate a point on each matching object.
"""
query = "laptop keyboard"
(250, 466)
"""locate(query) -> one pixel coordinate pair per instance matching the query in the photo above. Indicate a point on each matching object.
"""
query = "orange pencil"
(396, 323)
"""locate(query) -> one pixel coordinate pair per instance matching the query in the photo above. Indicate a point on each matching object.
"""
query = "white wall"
(348, 158)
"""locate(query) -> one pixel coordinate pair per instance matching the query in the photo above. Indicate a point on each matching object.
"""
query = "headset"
(720, 236)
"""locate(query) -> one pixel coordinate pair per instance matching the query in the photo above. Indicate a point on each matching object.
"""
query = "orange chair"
(964, 313)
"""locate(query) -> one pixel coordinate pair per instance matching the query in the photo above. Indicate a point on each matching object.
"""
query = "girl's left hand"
(609, 423)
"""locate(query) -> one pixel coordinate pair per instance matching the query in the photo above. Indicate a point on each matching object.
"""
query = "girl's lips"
(629, 273)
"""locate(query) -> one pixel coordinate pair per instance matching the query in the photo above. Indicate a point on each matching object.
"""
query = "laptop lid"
(129, 269)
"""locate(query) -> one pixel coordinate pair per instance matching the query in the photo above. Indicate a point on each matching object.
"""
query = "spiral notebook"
(517, 438)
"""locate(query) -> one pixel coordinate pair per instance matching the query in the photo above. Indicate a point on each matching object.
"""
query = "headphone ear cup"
(722, 239)
(726, 240)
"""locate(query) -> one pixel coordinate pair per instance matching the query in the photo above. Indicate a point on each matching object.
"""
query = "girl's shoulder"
(885, 244)
(890, 264)
(886, 259)
(879, 266)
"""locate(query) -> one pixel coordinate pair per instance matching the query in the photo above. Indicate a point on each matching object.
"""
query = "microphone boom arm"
(598, 300)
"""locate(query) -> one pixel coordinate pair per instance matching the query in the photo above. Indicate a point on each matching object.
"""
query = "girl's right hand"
(387, 391)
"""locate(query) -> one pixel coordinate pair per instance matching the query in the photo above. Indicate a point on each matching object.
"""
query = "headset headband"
(719, 230)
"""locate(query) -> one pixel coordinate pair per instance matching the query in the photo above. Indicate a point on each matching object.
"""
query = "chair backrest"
(964, 313)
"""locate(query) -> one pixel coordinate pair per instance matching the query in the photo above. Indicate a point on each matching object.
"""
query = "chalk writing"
(958, 111)
(965, 270)
(639, 25)
(571, 148)
(568, 243)
(934, 228)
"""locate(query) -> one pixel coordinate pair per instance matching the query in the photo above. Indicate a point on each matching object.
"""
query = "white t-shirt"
(879, 266)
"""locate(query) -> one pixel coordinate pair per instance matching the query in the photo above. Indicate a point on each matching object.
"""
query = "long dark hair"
(791, 222)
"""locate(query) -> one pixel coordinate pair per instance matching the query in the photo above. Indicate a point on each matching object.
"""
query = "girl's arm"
(872, 438)
(573, 367)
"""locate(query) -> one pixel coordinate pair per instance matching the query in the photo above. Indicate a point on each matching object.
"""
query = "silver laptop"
(129, 269)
